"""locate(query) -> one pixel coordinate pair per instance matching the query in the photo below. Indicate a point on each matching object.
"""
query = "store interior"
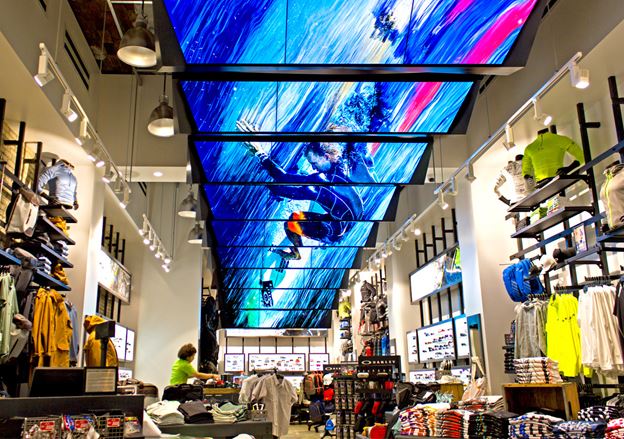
(306, 219)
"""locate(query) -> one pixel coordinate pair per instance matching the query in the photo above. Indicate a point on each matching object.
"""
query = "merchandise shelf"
(49, 252)
(557, 217)
(60, 212)
(580, 258)
(8, 259)
(54, 232)
(45, 280)
(538, 196)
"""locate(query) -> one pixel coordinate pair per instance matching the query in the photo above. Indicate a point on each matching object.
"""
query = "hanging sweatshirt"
(545, 155)
(8, 309)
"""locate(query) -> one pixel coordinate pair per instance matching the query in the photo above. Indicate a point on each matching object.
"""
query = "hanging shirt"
(544, 156)
(8, 309)
(530, 329)
(278, 396)
(246, 393)
(563, 338)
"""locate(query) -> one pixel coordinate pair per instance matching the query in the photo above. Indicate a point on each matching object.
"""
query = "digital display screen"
(284, 278)
(281, 362)
(280, 299)
(347, 32)
(261, 257)
(436, 342)
(237, 165)
(442, 272)
(277, 319)
(234, 362)
(368, 107)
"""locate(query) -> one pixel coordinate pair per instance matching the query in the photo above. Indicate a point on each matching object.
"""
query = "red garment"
(328, 394)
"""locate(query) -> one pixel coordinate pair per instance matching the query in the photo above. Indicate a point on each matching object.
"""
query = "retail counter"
(259, 430)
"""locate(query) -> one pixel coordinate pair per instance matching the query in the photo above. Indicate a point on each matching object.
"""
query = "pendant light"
(196, 234)
(188, 206)
(161, 120)
(137, 46)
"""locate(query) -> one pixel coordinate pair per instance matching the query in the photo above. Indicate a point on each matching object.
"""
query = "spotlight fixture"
(118, 186)
(137, 46)
(397, 244)
(167, 260)
(166, 267)
(470, 175)
(66, 108)
(109, 174)
(188, 206)
(144, 231)
(443, 204)
(157, 174)
(126, 197)
(578, 76)
(384, 252)
(44, 75)
(99, 163)
(161, 120)
(544, 118)
(509, 138)
(370, 266)
(158, 253)
(148, 237)
(196, 234)
(452, 187)
(153, 245)
(358, 278)
(403, 236)
(90, 148)
(417, 231)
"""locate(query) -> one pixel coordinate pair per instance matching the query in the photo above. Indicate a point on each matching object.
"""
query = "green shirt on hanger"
(544, 156)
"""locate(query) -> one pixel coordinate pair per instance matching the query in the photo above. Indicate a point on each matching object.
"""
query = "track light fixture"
(578, 76)
(443, 204)
(158, 254)
(161, 120)
(166, 267)
(153, 245)
(452, 187)
(538, 115)
(99, 163)
(147, 238)
(509, 143)
(66, 108)
(167, 260)
(126, 197)
(137, 47)
(109, 173)
(44, 75)
(144, 231)
(196, 234)
(417, 231)
(188, 206)
(470, 175)
(397, 244)
(403, 236)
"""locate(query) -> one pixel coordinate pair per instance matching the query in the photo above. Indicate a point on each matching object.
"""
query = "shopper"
(182, 369)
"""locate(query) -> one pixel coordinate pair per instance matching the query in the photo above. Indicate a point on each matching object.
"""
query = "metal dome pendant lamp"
(161, 120)
(137, 47)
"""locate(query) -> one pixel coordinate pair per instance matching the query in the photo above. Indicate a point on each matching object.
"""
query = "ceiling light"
(417, 231)
(157, 174)
(166, 267)
(397, 244)
(148, 237)
(443, 204)
(579, 77)
(161, 120)
(403, 236)
(470, 175)
(99, 163)
(509, 138)
(153, 245)
(44, 75)
(109, 174)
(90, 148)
(358, 278)
(66, 109)
(188, 206)
(196, 234)
(78, 140)
(158, 253)
(544, 118)
(137, 46)
(118, 187)
(370, 266)
(167, 259)
(384, 253)
(126, 197)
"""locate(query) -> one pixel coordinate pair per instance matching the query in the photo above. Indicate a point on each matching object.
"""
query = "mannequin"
(61, 182)
(543, 158)
(521, 186)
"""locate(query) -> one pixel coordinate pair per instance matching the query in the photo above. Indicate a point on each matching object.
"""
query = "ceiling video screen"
(283, 278)
(367, 107)
(347, 32)
(280, 299)
(312, 257)
(277, 319)
(363, 163)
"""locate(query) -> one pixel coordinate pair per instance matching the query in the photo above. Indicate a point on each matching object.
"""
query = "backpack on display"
(519, 283)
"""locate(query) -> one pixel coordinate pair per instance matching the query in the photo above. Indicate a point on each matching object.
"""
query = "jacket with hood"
(61, 182)
(93, 347)
(51, 331)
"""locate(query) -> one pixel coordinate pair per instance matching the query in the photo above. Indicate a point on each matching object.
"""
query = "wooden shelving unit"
(562, 398)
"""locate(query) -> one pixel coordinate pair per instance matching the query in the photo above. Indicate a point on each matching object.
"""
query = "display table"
(259, 430)
(523, 398)
(222, 394)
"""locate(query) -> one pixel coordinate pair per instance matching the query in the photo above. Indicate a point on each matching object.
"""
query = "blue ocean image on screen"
(308, 318)
(425, 107)
(293, 279)
(236, 165)
(258, 257)
(347, 32)
(282, 299)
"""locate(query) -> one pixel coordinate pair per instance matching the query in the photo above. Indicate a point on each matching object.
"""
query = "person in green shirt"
(182, 369)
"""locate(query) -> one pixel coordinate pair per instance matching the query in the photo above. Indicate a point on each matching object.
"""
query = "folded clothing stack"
(533, 425)
(615, 429)
(165, 413)
(195, 413)
(490, 424)
(229, 413)
(63, 248)
(541, 370)
(600, 413)
(45, 264)
(418, 421)
(485, 403)
(451, 423)
(580, 430)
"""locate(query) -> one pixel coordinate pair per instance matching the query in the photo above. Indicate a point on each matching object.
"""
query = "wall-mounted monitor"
(462, 336)
(281, 362)
(462, 372)
(234, 363)
(436, 342)
(317, 361)
(424, 376)
(441, 273)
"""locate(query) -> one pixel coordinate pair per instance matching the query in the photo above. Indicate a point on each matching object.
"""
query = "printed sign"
(281, 362)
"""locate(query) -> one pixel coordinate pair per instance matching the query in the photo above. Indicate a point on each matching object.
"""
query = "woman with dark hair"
(182, 369)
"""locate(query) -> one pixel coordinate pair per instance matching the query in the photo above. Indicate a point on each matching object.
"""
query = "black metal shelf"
(8, 259)
(579, 259)
(534, 199)
(59, 211)
(45, 280)
(47, 251)
(551, 220)
(53, 232)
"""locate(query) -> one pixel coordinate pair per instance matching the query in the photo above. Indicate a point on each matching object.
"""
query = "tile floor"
(296, 431)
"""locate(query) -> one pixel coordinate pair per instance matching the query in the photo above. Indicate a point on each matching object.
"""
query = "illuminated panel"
(365, 163)
(276, 319)
(347, 31)
(373, 107)
(280, 299)
(263, 257)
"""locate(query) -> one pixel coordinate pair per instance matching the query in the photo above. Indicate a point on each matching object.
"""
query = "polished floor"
(296, 431)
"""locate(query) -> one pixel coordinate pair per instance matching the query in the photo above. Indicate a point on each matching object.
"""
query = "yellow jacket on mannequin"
(52, 330)
(93, 347)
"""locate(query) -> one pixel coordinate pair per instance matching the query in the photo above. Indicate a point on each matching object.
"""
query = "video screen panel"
(367, 107)
(279, 298)
(347, 32)
(284, 278)
(263, 257)
(276, 319)
(362, 163)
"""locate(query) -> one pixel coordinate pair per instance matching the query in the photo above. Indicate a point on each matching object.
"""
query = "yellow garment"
(62, 331)
(545, 155)
(52, 330)
(59, 273)
(563, 335)
(60, 223)
(344, 309)
(93, 347)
